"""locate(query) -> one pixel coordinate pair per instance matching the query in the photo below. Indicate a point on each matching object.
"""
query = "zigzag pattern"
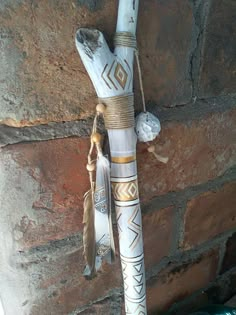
(125, 191)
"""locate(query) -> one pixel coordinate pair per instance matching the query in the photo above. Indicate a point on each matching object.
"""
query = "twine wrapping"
(125, 39)
(119, 111)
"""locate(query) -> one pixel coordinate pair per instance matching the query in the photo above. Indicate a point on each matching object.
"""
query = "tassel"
(89, 234)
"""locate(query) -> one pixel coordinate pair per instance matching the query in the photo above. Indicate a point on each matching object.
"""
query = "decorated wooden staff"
(112, 77)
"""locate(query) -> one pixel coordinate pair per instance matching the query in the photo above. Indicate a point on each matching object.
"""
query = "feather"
(89, 234)
(103, 222)
(107, 183)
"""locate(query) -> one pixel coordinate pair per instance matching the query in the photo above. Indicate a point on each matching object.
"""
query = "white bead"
(147, 127)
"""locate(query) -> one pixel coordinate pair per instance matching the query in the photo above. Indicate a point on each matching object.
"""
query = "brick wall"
(187, 50)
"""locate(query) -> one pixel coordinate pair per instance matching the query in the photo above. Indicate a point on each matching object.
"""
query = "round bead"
(96, 137)
(147, 127)
(100, 108)
(151, 148)
(90, 167)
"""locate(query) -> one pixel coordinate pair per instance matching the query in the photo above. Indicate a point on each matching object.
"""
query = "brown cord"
(140, 79)
(127, 39)
(119, 111)
(91, 163)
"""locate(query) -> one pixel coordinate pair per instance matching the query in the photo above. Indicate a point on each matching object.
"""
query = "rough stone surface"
(164, 52)
(230, 253)
(209, 215)
(41, 190)
(196, 110)
(198, 151)
(42, 78)
(217, 293)
(218, 63)
(54, 277)
(111, 306)
(72, 289)
(187, 53)
(12, 135)
(93, 5)
(193, 111)
(157, 233)
(176, 283)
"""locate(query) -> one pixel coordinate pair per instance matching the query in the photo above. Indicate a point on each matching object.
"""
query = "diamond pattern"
(116, 76)
(125, 191)
(121, 75)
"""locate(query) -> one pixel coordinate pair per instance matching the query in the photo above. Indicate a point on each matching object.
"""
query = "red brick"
(164, 44)
(57, 284)
(218, 64)
(43, 184)
(176, 283)
(105, 307)
(43, 78)
(198, 152)
(157, 234)
(77, 291)
(99, 309)
(209, 215)
(230, 254)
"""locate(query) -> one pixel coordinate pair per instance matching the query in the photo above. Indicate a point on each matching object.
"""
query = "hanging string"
(136, 52)
(129, 40)
(119, 111)
(91, 163)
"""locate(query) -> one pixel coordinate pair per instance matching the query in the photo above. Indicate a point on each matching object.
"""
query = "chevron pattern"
(115, 75)
(125, 191)
(140, 310)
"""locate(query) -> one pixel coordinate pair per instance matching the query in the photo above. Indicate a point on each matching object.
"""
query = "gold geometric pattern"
(115, 75)
(135, 227)
(123, 159)
(121, 75)
(125, 191)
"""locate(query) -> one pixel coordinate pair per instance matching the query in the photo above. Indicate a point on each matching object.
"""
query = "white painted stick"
(104, 69)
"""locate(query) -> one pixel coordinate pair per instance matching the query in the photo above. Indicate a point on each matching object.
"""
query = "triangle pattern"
(138, 278)
(138, 288)
(140, 311)
(138, 267)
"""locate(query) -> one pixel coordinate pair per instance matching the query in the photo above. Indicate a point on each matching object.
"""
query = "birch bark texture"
(112, 76)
